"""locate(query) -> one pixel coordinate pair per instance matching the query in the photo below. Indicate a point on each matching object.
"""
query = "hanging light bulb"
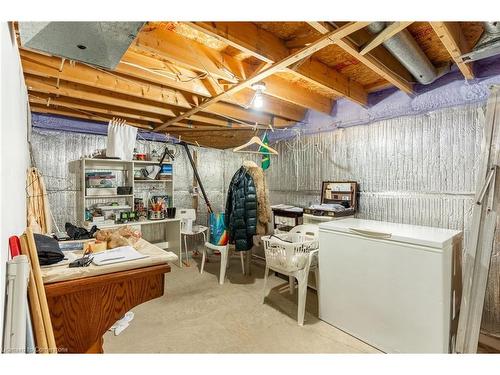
(258, 101)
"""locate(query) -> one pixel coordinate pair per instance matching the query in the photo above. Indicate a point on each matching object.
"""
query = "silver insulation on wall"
(416, 169)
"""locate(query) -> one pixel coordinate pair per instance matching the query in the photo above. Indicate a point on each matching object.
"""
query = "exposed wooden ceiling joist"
(325, 40)
(267, 47)
(75, 91)
(44, 66)
(391, 30)
(92, 108)
(367, 59)
(153, 70)
(68, 112)
(455, 43)
(61, 106)
(359, 39)
(220, 66)
(86, 106)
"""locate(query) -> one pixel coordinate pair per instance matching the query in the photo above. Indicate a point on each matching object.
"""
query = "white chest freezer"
(394, 286)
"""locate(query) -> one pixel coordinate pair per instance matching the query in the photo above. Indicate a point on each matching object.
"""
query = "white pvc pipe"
(15, 328)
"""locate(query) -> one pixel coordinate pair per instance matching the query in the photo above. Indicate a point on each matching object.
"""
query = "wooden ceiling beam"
(246, 37)
(48, 67)
(89, 94)
(187, 53)
(76, 91)
(391, 30)
(244, 99)
(267, 47)
(359, 39)
(453, 39)
(272, 105)
(34, 107)
(70, 90)
(173, 47)
(367, 59)
(160, 72)
(215, 139)
(82, 105)
(376, 66)
(93, 111)
(152, 70)
(206, 128)
(322, 42)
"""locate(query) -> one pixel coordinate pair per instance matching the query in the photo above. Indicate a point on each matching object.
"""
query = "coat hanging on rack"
(264, 213)
(241, 210)
(247, 206)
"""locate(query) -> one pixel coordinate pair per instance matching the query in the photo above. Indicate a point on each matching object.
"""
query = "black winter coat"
(241, 210)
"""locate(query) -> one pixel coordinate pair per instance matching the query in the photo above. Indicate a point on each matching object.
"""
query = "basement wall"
(14, 156)
(415, 169)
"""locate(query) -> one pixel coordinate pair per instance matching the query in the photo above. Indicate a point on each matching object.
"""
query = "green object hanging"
(266, 160)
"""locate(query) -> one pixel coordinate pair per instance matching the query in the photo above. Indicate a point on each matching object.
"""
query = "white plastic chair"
(188, 216)
(224, 256)
(295, 260)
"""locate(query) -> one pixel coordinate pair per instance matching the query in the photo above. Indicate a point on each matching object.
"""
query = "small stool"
(224, 256)
(196, 230)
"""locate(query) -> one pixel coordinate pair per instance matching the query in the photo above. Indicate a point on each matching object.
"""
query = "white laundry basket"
(288, 252)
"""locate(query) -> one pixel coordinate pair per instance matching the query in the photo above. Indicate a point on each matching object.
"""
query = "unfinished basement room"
(291, 180)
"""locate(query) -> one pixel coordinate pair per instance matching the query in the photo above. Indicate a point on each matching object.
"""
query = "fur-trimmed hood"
(263, 207)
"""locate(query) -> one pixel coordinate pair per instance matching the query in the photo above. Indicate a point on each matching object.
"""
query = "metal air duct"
(488, 44)
(97, 43)
(404, 48)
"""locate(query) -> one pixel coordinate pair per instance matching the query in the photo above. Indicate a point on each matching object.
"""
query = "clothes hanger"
(252, 141)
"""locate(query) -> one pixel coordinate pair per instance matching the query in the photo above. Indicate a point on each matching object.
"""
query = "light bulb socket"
(259, 86)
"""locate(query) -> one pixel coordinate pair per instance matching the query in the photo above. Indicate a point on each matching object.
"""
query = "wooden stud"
(387, 33)
(322, 42)
(455, 43)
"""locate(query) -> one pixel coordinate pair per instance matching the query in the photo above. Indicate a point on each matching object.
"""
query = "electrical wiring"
(161, 72)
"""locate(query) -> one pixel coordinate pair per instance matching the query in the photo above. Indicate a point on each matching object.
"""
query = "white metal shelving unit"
(125, 177)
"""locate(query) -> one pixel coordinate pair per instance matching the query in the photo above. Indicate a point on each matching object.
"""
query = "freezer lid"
(438, 238)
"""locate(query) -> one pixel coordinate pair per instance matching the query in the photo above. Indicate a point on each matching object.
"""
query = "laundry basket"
(288, 252)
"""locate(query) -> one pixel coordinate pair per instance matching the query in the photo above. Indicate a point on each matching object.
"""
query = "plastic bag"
(218, 232)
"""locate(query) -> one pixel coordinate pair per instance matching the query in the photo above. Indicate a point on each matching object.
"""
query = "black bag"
(79, 233)
(48, 250)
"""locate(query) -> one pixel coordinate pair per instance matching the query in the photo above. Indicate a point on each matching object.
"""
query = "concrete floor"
(197, 315)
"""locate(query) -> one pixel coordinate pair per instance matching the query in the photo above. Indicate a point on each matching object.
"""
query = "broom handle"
(195, 170)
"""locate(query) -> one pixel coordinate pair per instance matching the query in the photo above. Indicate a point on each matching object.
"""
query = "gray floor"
(197, 315)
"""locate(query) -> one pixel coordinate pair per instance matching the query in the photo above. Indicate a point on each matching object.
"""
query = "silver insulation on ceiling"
(415, 169)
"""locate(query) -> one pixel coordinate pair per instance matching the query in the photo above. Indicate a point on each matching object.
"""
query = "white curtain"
(121, 140)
